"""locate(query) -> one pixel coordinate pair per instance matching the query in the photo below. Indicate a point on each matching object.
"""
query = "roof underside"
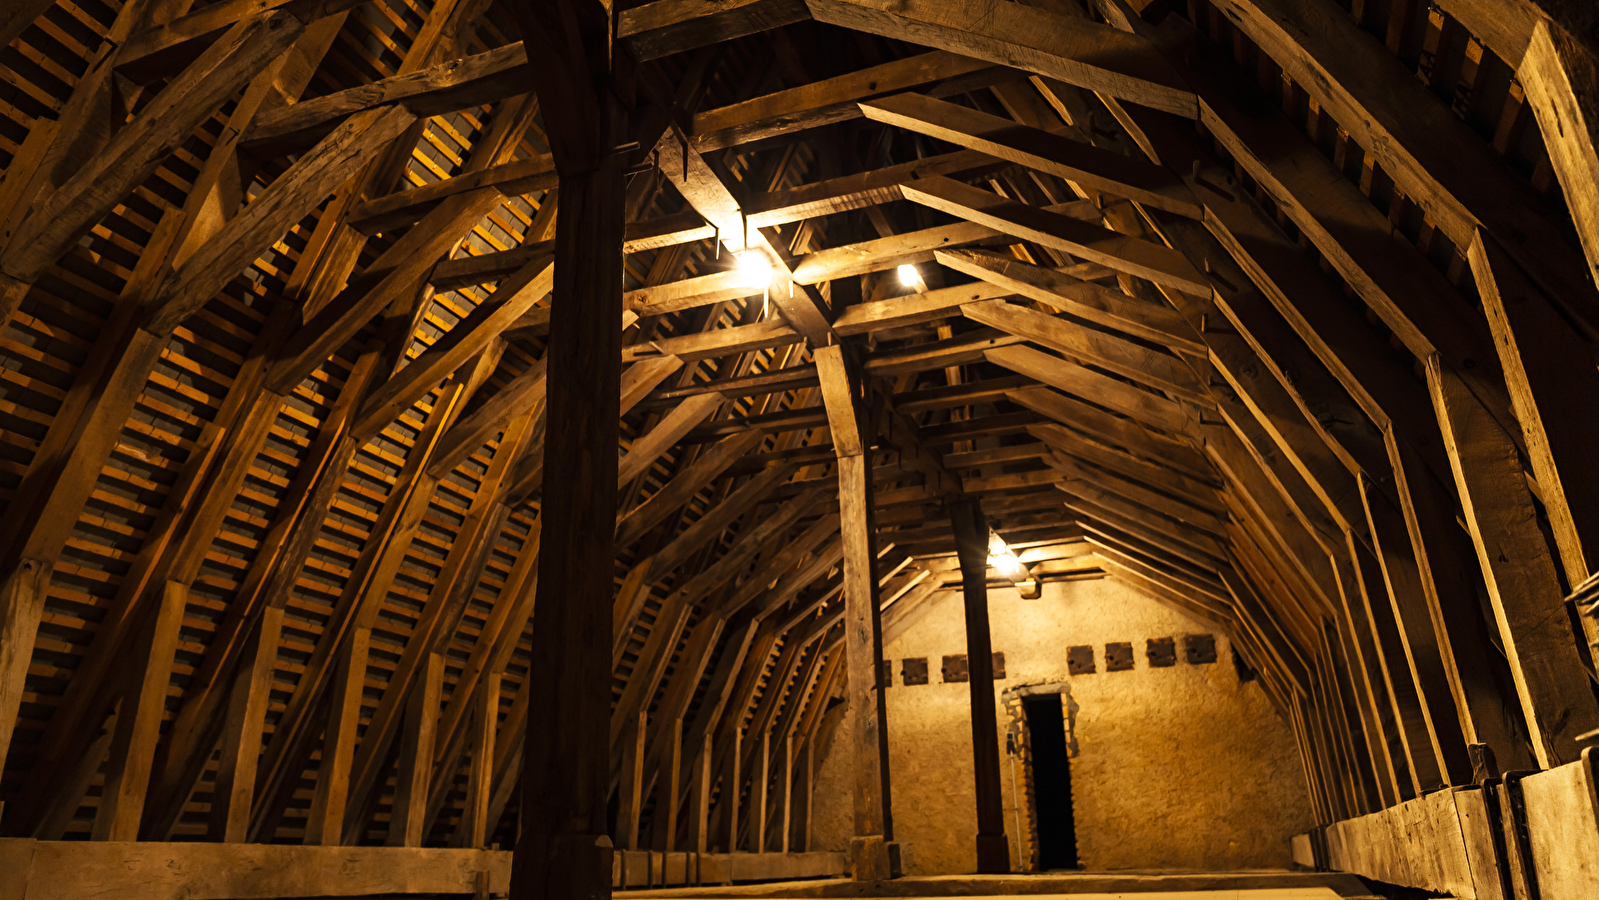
(271, 380)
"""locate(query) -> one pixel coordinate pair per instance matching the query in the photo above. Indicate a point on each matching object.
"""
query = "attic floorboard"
(1150, 885)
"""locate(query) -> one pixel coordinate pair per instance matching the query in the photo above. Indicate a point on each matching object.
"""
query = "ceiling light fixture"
(1003, 560)
(754, 269)
(909, 277)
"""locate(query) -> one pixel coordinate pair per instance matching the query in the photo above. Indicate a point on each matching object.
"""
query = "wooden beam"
(1557, 703)
(649, 447)
(706, 193)
(828, 102)
(1430, 153)
(1076, 51)
(474, 828)
(16, 18)
(458, 84)
(861, 190)
(1045, 151)
(325, 823)
(1404, 693)
(127, 776)
(317, 173)
(1067, 444)
(705, 469)
(971, 544)
(912, 309)
(400, 271)
(357, 607)
(654, 30)
(1050, 229)
(874, 828)
(718, 342)
(1207, 516)
(21, 608)
(1380, 714)
(408, 811)
(1143, 407)
(401, 208)
(1445, 744)
(454, 348)
(865, 257)
(564, 853)
(57, 221)
(1476, 669)
(470, 432)
(1547, 369)
(1411, 297)
(1076, 297)
(1559, 74)
(1113, 430)
(1133, 361)
(234, 788)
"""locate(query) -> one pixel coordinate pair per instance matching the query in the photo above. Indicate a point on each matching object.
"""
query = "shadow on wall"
(1176, 757)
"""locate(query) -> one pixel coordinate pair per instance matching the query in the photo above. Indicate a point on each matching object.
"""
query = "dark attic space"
(557, 449)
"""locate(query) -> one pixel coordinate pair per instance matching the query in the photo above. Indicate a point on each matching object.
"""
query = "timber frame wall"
(1280, 311)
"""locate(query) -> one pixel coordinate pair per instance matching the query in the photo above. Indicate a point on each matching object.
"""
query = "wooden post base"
(574, 867)
(869, 859)
(993, 854)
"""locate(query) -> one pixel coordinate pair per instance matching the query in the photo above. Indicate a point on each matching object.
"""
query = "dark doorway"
(1052, 782)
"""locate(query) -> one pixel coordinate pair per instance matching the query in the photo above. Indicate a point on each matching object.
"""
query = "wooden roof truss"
(1270, 309)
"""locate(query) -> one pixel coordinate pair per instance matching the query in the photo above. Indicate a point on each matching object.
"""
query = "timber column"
(971, 546)
(564, 852)
(870, 851)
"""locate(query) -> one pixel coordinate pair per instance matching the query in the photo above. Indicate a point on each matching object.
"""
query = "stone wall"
(1181, 766)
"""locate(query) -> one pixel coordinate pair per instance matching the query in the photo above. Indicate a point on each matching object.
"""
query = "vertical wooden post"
(732, 788)
(971, 546)
(842, 394)
(800, 842)
(761, 780)
(474, 828)
(666, 793)
(787, 797)
(241, 736)
(21, 607)
(564, 852)
(631, 787)
(408, 814)
(132, 753)
(700, 802)
(326, 822)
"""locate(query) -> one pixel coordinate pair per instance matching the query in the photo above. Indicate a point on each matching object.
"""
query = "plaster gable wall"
(1180, 767)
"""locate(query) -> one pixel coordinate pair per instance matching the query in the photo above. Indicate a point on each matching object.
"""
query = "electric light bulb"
(1003, 560)
(754, 269)
(909, 277)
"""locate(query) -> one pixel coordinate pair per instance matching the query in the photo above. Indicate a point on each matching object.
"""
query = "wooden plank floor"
(1265, 884)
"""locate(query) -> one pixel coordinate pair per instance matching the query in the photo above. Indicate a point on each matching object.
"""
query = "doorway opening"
(1051, 776)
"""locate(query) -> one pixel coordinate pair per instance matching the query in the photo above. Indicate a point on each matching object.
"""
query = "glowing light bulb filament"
(909, 277)
(753, 268)
(1004, 561)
